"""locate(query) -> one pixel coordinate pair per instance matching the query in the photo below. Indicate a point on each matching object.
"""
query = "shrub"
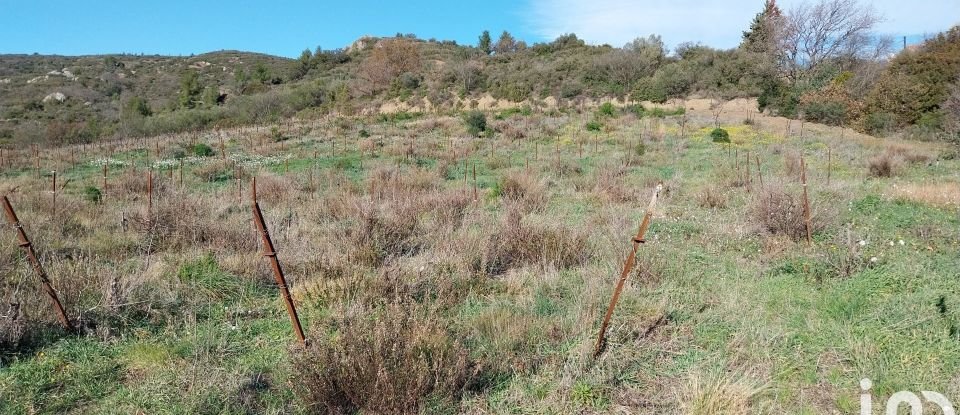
(606, 110)
(879, 122)
(202, 150)
(523, 189)
(389, 360)
(594, 126)
(516, 244)
(712, 198)
(719, 135)
(779, 212)
(92, 194)
(364, 133)
(476, 122)
(883, 165)
(640, 148)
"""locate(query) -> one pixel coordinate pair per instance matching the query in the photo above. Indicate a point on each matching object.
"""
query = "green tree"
(190, 90)
(761, 37)
(261, 74)
(211, 96)
(241, 80)
(484, 43)
(303, 64)
(136, 107)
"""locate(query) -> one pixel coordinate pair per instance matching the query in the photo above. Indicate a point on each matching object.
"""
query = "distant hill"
(75, 99)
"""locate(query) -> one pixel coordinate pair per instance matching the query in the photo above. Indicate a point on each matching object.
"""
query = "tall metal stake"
(627, 267)
(271, 253)
(806, 200)
(37, 268)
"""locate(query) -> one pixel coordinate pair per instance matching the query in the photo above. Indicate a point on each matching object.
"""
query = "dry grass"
(718, 396)
(944, 194)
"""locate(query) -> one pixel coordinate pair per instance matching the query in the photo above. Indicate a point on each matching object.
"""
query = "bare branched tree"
(828, 29)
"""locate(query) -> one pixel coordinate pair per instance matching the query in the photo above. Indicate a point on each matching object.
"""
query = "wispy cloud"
(717, 23)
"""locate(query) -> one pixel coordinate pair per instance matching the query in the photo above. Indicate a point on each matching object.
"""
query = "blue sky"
(182, 27)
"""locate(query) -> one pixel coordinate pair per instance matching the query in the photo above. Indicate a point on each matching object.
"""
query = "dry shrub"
(390, 359)
(391, 352)
(516, 244)
(609, 182)
(524, 190)
(384, 232)
(273, 189)
(712, 198)
(509, 130)
(883, 165)
(791, 164)
(12, 325)
(186, 222)
(779, 212)
(367, 145)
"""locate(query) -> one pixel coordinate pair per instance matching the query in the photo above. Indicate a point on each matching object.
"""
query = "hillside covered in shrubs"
(852, 79)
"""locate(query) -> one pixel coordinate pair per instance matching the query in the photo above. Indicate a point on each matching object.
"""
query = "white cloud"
(713, 22)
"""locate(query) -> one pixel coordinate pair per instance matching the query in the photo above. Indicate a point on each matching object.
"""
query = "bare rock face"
(362, 43)
(59, 97)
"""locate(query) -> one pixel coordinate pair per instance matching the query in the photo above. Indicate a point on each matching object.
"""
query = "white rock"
(56, 96)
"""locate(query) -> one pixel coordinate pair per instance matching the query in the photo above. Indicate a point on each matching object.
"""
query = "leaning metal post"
(627, 267)
(37, 268)
(271, 253)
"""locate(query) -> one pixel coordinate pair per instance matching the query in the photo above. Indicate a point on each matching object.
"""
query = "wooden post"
(27, 247)
(628, 265)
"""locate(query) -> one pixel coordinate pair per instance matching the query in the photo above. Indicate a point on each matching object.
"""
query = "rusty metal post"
(149, 193)
(53, 188)
(271, 253)
(181, 173)
(829, 163)
(104, 178)
(806, 200)
(627, 267)
(27, 247)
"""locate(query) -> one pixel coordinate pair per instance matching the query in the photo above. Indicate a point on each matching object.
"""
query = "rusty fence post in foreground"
(627, 267)
(37, 268)
(806, 200)
(271, 253)
(53, 188)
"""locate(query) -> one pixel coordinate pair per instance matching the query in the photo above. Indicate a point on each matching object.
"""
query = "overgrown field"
(440, 273)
